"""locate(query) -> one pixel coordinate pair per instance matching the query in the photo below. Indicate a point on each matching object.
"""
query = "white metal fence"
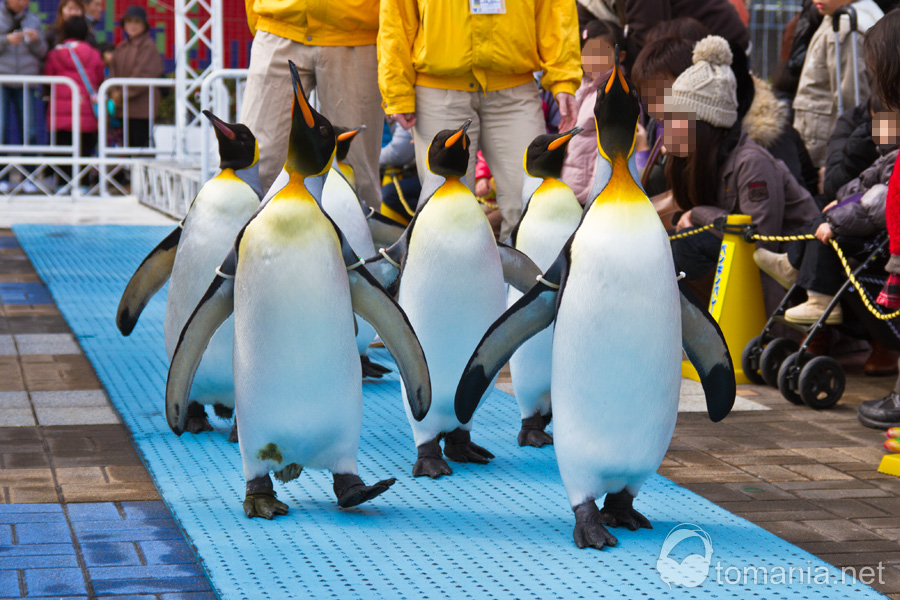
(767, 21)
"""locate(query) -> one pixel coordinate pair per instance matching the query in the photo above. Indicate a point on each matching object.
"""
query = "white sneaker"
(4, 187)
(777, 266)
(29, 188)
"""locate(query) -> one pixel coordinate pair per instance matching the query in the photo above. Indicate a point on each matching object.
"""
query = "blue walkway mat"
(497, 531)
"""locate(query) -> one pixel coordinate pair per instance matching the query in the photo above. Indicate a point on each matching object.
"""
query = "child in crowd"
(882, 55)
(815, 105)
(78, 60)
(598, 42)
(137, 56)
(715, 169)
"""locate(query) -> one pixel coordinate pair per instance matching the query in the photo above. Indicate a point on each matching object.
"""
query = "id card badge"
(487, 7)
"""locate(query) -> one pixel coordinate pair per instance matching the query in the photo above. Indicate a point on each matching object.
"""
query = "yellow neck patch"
(294, 190)
(621, 186)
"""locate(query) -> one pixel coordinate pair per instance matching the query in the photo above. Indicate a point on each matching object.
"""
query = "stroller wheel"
(789, 374)
(750, 361)
(773, 356)
(822, 382)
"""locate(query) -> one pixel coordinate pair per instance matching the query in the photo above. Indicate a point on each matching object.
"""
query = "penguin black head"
(238, 148)
(616, 113)
(544, 156)
(344, 137)
(312, 143)
(448, 154)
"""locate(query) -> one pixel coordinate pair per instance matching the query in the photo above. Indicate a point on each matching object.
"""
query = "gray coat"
(866, 217)
(27, 57)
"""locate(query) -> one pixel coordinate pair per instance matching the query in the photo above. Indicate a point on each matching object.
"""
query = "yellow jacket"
(439, 44)
(317, 22)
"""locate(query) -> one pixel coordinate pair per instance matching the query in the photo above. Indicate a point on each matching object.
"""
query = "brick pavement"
(67, 464)
(79, 515)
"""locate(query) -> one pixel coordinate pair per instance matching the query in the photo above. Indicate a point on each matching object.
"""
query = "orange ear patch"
(453, 139)
(559, 142)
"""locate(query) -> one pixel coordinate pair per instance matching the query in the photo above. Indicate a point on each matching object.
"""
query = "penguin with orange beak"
(620, 324)
(188, 258)
(293, 283)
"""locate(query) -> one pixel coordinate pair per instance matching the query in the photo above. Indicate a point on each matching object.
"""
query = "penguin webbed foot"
(532, 432)
(618, 512)
(430, 462)
(372, 369)
(196, 419)
(260, 499)
(458, 447)
(222, 411)
(589, 529)
(233, 434)
(351, 491)
(289, 473)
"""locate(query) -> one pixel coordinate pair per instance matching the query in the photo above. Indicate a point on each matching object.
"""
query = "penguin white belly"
(219, 211)
(616, 353)
(297, 376)
(452, 290)
(342, 204)
(552, 215)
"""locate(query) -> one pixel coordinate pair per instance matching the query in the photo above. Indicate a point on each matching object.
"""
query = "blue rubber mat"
(497, 531)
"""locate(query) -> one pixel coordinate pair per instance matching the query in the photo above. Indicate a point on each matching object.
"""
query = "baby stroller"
(818, 381)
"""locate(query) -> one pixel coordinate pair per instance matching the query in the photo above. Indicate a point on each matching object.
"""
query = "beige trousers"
(503, 124)
(346, 82)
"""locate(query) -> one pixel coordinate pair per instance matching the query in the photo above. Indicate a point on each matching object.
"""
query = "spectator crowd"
(68, 47)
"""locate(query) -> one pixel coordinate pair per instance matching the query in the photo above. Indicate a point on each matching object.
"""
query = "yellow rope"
(679, 236)
(809, 236)
(862, 294)
(484, 202)
(396, 181)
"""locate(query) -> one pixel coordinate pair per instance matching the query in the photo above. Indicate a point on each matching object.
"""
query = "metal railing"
(29, 158)
(125, 154)
(767, 21)
(214, 97)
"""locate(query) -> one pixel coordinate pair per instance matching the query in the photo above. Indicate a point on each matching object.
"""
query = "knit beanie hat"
(708, 88)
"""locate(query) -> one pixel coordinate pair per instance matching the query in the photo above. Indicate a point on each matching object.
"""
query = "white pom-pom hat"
(707, 89)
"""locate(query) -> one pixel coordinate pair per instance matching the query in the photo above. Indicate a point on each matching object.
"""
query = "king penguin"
(620, 325)
(189, 257)
(344, 138)
(451, 284)
(293, 283)
(341, 203)
(551, 215)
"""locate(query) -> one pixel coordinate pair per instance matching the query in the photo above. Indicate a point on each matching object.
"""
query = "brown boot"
(820, 345)
(882, 361)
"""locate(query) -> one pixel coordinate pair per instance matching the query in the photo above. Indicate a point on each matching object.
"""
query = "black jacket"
(850, 149)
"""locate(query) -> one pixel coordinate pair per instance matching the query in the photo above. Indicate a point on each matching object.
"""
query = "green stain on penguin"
(270, 452)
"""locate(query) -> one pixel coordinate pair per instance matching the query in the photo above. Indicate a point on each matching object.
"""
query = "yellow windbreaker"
(317, 22)
(439, 44)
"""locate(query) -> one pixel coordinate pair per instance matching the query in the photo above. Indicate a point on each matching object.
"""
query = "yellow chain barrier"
(679, 236)
(862, 294)
(803, 237)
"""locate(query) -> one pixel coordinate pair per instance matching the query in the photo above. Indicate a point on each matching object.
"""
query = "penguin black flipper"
(533, 312)
(385, 231)
(216, 305)
(371, 302)
(707, 350)
(150, 276)
(519, 271)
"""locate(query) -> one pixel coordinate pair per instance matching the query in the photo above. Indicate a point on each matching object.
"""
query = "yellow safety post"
(736, 302)
(890, 465)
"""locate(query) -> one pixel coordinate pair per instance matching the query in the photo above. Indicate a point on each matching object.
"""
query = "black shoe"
(882, 413)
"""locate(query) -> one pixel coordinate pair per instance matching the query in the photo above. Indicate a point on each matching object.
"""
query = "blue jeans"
(12, 105)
